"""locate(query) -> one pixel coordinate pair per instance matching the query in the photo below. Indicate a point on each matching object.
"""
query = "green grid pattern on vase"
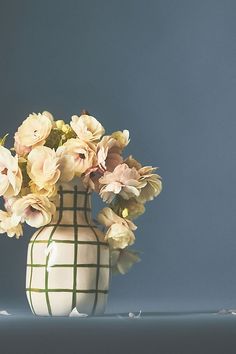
(68, 262)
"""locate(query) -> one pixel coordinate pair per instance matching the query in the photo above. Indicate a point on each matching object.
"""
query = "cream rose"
(152, 184)
(10, 174)
(66, 164)
(84, 154)
(119, 233)
(87, 128)
(33, 132)
(46, 167)
(43, 168)
(35, 210)
(50, 116)
(107, 217)
(119, 236)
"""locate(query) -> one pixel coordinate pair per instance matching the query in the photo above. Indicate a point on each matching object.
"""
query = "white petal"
(4, 313)
(76, 313)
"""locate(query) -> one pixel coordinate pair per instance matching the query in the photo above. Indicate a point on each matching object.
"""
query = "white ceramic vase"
(68, 262)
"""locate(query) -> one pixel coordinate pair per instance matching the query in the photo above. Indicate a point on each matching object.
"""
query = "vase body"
(68, 262)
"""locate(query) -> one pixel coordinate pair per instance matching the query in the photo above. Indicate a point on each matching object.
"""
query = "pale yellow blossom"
(43, 167)
(119, 236)
(61, 125)
(65, 131)
(49, 115)
(34, 130)
(152, 184)
(87, 128)
(46, 167)
(10, 174)
(120, 231)
(108, 217)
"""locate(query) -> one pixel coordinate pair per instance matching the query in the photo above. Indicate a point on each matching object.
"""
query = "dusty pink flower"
(91, 179)
(123, 181)
(107, 158)
(108, 154)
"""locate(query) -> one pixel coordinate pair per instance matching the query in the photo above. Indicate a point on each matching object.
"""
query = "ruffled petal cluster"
(123, 180)
(120, 231)
(10, 224)
(10, 174)
(49, 152)
(83, 154)
(33, 132)
(35, 210)
(87, 128)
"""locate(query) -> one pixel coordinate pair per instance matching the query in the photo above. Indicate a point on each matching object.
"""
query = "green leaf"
(54, 138)
(2, 140)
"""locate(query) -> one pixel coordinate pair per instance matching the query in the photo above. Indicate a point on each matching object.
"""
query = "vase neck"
(73, 205)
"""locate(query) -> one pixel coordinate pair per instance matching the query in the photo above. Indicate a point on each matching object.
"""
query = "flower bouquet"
(51, 159)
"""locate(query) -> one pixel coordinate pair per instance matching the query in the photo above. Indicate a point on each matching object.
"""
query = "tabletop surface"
(162, 333)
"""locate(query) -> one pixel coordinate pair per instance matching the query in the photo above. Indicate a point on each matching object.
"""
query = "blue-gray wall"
(165, 70)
